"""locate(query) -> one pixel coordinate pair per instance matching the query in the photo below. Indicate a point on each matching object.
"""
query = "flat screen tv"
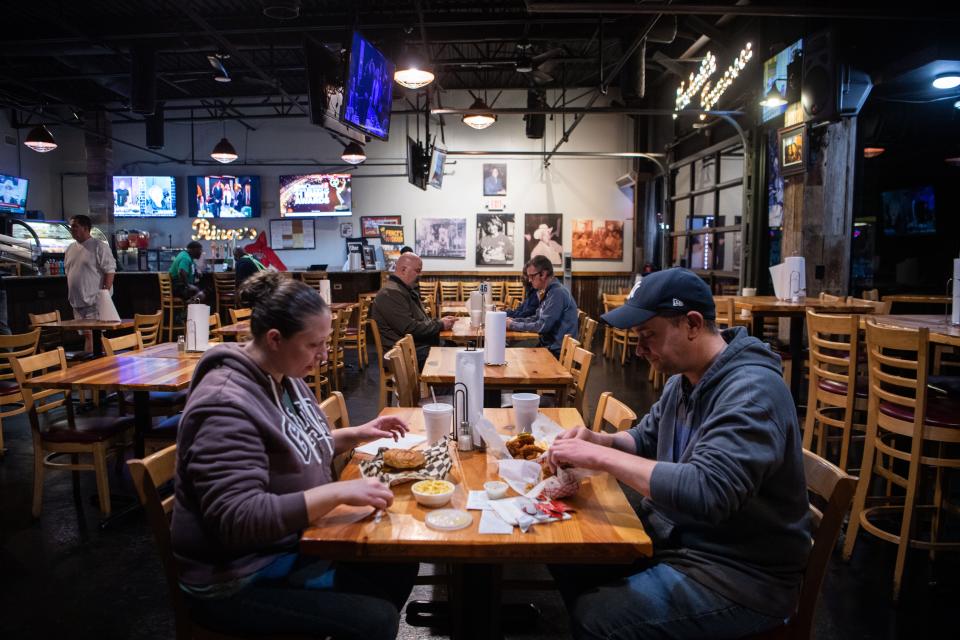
(316, 194)
(909, 212)
(13, 194)
(144, 196)
(416, 164)
(436, 166)
(368, 89)
(224, 196)
(775, 75)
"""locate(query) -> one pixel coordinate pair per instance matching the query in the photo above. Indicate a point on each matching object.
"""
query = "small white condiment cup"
(495, 489)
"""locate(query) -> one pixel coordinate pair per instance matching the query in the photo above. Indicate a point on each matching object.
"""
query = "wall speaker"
(321, 72)
(154, 127)
(536, 123)
(143, 80)
(831, 89)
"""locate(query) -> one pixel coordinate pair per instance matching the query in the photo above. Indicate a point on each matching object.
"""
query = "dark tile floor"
(62, 576)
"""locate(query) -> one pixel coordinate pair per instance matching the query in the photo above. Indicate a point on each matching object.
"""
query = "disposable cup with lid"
(525, 408)
(437, 421)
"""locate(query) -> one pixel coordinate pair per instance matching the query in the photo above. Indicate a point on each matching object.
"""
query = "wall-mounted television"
(416, 164)
(316, 194)
(909, 212)
(144, 196)
(13, 194)
(775, 74)
(436, 166)
(224, 196)
(368, 89)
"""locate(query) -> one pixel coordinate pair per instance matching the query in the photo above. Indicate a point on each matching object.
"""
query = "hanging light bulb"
(40, 140)
(947, 80)
(479, 120)
(224, 151)
(773, 98)
(873, 152)
(353, 153)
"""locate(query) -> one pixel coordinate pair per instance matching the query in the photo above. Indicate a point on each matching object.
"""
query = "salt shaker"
(181, 344)
(465, 441)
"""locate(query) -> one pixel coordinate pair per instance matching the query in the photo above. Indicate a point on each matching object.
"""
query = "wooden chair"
(169, 305)
(514, 290)
(165, 403)
(313, 278)
(387, 381)
(335, 409)
(149, 475)
(356, 336)
(395, 363)
(449, 292)
(879, 308)
(335, 363)
(409, 348)
(225, 289)
(826, 297)
(833, 389)
(120, 344)
(613, 412)
(567, 347)
(912, 437)
(430, 306)
(427, 289)
(148, 326)
(239, 315)
(612, 336)
(581, 316)
(580, 370)
(53, 337)
(496, 291)
(468, 287)
(588, 328)
(97, 437)
(870, 294)
(726, 313)
(830, 491)
(215, 338)
(13, 346)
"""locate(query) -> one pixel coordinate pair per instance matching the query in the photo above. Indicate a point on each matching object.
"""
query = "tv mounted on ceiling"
(436, 166)
(416, 164)
(368, 89)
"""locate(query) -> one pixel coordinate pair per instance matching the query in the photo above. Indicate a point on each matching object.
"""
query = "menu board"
(292, 234)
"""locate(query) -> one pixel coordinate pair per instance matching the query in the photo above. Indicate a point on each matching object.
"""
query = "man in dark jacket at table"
(556, 316)
(399, 311)
(719, 464)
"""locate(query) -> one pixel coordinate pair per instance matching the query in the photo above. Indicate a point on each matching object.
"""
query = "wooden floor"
(62, 576)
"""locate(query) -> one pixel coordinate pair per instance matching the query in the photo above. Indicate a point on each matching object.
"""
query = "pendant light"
(479, 120)
(947, 80)
(413, 71)
(773, 98)
(353, 153)
(40, 140)
(224, 151)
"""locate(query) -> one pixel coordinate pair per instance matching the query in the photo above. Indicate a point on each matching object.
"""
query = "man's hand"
(448, 322)
(382, 427)
(577, 452)
(509, 322)
(582, 433)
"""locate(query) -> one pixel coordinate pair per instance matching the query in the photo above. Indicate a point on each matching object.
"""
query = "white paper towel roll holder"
(946, 307)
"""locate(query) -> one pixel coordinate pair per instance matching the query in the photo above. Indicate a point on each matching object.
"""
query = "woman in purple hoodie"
(254, 456)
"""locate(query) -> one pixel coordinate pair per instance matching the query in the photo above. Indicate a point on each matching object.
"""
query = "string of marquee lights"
(708, 91)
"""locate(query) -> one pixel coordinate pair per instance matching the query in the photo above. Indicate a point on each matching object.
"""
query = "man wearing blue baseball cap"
(718, 462)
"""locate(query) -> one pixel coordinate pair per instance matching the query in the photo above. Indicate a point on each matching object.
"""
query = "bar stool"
(169, 305)
(225, 287)
(908, 429)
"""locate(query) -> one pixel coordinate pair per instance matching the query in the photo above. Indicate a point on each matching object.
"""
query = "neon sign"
(701, 84)
(203, 230)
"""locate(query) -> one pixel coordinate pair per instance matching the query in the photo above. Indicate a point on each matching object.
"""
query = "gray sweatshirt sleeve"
(228, 466)
(738, 447)
(548, 314)
(646, 431)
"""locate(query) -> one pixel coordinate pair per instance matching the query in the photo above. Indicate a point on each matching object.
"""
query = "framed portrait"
(495, 245)
(346, 229)
(495, 179)
(543, 236)
(441, 238)
(391, 234)
(370, 225)
(597, 239)
(792, 149)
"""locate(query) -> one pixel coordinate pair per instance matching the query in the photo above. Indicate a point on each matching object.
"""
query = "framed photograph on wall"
(441, 238)
(495, 239)
(542, 236)
(346, 229)
(370, 225)
(597, 239)
(792, 146)
(495, 179)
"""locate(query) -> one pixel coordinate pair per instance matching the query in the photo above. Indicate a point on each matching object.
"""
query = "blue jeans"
(650, 602)
(296, 595)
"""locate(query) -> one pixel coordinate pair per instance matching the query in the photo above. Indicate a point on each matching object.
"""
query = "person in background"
(183, 273)
(531, 299)
(405, 249)
(90, 267)
(255, 467)
(719, 464)
(245, 265)
(556, 316)
(399, 311)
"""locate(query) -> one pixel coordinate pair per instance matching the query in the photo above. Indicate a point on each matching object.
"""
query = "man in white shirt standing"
(90, 267)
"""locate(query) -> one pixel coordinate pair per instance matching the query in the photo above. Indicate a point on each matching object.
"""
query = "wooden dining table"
(136, 373)
(526, 368)
(761, 307)
(168, 350)
(461, 308)
(604, 529)
(462, 333)
(95, 326)
(941, 331)
(237, 330)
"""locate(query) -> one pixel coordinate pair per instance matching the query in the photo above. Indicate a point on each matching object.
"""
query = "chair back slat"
(120, 344)
(37, 401)
(238, 315)
(148, 326)
(19, 345)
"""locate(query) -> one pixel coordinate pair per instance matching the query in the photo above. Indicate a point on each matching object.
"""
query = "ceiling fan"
(538, 66)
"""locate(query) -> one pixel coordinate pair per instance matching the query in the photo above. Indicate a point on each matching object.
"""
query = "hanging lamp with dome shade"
(479, 120)
(40, 140)
(353, 153)
(224, 152)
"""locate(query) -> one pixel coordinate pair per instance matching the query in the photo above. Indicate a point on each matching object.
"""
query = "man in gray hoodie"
(719, 465)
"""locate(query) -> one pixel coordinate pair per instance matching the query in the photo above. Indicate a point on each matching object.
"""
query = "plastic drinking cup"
(525, 408)
(437, 421)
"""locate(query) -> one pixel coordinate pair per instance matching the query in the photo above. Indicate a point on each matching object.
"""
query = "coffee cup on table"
(749, 291)
(525, 408)
(437, 421)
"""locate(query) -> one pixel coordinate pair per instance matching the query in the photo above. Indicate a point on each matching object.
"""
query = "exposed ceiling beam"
(670, 64)
(869, 12)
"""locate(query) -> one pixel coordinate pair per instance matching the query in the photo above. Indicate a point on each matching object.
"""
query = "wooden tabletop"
(460, 308)
(241, 328)
(770, 305)
(136, 373)
(462, 332)
(916, 298)
(604, 528)
(166, 350)
(89, 325)
(941, 331)
(526, 367)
